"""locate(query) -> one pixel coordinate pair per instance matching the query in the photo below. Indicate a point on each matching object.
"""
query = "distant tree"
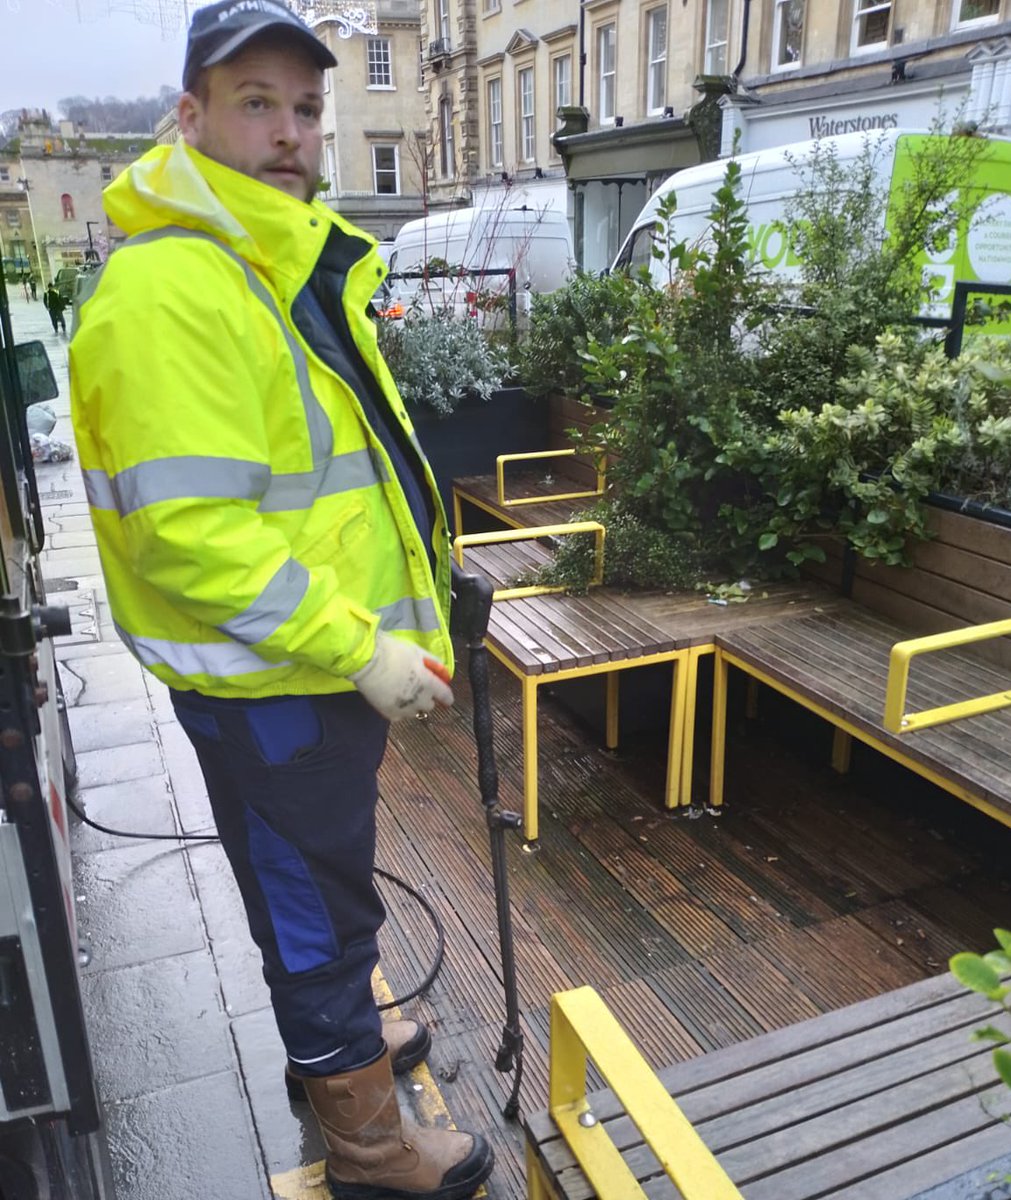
(9, 124)
(112, 115)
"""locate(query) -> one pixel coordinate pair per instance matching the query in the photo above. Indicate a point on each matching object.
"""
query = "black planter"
(468, 441)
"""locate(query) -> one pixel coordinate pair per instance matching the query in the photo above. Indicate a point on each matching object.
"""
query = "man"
(274, 550)
(55, 305)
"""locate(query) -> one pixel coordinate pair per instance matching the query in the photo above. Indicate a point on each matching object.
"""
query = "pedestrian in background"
(55, 305)
(33, 284)
(275, 550)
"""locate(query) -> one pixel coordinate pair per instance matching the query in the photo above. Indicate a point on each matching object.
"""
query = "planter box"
(468, 441)
(962, 576)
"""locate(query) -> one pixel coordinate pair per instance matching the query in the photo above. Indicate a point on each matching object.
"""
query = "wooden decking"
(811, 892)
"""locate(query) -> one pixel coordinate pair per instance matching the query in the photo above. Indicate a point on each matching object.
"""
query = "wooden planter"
(961, 577)
(468, 441)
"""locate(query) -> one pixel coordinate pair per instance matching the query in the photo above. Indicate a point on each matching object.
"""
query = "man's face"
(259, 113)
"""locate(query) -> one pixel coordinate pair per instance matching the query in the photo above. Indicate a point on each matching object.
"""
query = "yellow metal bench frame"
(684, 688)
(897, 720)
(583, 1028)
(505, 503)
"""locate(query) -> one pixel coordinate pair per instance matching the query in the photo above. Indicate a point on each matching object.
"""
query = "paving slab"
(188, 1142)
(235, 955)
(135, 905)
(161, 703)
(139, 806)
(287, 1133)
(141, 760)
(114, 723)
(168, 1015)
(113, 677)
(187, 781)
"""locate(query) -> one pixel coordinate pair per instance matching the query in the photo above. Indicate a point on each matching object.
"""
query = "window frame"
(778, 26)
(5, 174)
(106, 173)
(488, 7)
(13, 218)
(875, 6)
(371, 85)
(711, 44)
(442, 20)
(556, 63)
(960, 22)
(447, 142)
(496, 129)
(607, 80)
(527, 119)
(652, 64)
(330, 161)
(374, 146)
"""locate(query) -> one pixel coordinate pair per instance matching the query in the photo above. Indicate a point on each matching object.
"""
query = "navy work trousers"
(292, 785)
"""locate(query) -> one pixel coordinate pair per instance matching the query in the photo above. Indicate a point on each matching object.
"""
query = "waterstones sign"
(823, 126)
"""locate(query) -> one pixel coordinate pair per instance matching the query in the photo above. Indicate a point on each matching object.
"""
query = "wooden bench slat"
(938, 1165)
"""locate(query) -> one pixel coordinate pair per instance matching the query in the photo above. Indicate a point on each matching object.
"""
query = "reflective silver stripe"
(274, 605)
(409, 614)
(99, 490)
(221, 659)
(343, 473)
(187, 477)
(320, 433)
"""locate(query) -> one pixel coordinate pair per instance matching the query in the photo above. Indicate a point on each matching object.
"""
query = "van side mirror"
(35, 373)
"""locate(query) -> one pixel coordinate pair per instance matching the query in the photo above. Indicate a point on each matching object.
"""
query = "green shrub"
(436, 360)
(906, 421)
(561, 323)
(636, 554)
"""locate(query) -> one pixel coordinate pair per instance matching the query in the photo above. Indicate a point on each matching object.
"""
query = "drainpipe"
(582, 52)
(744, 42)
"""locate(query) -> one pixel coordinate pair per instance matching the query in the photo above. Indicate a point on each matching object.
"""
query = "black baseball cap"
(219, 31)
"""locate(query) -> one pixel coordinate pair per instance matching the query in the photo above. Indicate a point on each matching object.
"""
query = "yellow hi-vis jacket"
(252, 532)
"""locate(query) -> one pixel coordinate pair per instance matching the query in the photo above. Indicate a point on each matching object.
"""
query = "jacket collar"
(281, 236)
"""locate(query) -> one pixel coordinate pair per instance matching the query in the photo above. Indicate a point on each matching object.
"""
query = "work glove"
(401, 680)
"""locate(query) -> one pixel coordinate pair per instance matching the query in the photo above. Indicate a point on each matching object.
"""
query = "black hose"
(426, 904)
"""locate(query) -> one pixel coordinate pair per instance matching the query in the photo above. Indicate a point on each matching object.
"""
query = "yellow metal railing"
(532, 534)
(897, 720)
(582, 1027)
(502, 459)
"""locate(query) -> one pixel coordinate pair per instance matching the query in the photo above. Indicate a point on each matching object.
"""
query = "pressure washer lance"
(472, 600)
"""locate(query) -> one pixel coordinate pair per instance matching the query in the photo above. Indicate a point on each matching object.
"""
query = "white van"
(771, 178)
(479, 246)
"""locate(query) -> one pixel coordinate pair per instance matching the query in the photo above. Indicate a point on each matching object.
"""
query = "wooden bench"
(552, 638)
(877, 1101)
(549, 495)
(836, 664)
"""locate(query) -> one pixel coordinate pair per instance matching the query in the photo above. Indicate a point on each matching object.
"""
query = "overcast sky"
(49, 53)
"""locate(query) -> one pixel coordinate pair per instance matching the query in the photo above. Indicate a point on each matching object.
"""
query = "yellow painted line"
(309, 1183)
(304, 1183)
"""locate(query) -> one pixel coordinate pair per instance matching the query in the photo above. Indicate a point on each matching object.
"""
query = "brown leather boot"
(407, 1041)
(375, 1152)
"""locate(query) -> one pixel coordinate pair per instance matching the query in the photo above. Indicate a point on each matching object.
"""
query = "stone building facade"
(376, 158)
(51, 192)
(589, 105)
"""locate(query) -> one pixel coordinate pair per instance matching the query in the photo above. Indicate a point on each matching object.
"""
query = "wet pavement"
(187, 1058)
